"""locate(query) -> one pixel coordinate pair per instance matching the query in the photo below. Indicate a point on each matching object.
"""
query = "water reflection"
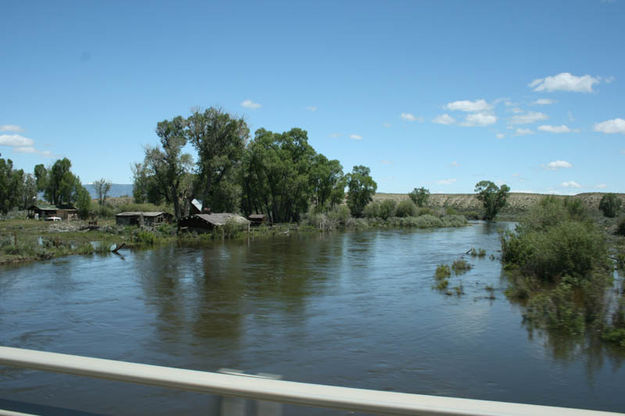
(354, 309)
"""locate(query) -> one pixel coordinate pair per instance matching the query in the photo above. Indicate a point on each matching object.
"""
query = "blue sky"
(438, 94)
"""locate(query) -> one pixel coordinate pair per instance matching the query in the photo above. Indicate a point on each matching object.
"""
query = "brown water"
(351, 309)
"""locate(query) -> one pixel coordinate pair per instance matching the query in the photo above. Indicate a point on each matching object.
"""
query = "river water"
(353, 309)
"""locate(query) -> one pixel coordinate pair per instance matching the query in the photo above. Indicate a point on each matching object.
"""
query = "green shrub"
(610, 205)
(443, 271)
(372, 210)
(477, 253)
(555, 309)
(406, 208)
(620, 228)
(387, 209)
(461, 266)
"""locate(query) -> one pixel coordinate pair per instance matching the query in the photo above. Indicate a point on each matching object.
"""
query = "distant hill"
(117, 190)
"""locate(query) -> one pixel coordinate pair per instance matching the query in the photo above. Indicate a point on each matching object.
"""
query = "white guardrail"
(232, 385)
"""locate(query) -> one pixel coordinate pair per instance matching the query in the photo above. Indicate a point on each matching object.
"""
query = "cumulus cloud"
(523, 132)
(528, 118)
(309, 108)
(387, 162)
(469, 106)
(410, 117)
(15, 140)
(559, 164)
(446, 181)
(11, 127)
(355, 137)
(250, 104)
(564, 81)
(571, 184)
(479, 119)
(557, 129)
(500, 135)
(444, 119)
(616, 125)
(544, 101)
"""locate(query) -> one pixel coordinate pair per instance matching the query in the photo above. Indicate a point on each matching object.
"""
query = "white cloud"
(528, 118)
(523, 132)
(479, 119)
(516, 110)
(570, 115)
(559, 164)
(564, 81)
(570, 184)
(500, 135)
(355, 137)
(616, 125)
(557, 129)
(309, 108)
(11, 127)
(544, 101)
(335, 135)
(455, 164)
(30, 149)
(15, 140)
(387, 125)
(446, 181)
(601, 186)
(444, 119)
(250, 104)
(408, 117)
(387, 162)
(469, 106)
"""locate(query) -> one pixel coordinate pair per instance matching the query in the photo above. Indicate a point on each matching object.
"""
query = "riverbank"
(28, 240)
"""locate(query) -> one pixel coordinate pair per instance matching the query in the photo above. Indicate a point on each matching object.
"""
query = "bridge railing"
(274, 390)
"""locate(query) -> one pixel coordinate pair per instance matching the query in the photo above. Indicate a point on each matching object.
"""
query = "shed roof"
(222, 218)
(257, 216)
(139, 213)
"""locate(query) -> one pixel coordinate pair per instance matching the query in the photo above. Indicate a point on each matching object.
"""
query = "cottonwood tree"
(420, 196)
(276, 174)
(327, 182)
(220, 141)
(361, 188)
(166, 167)
(493, 197)
(102, 188)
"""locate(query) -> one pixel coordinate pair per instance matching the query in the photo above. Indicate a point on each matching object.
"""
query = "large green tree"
(327, 182)
(164, 174)
(220, 141)
(361, 188)
(276, 174)
(492, 196)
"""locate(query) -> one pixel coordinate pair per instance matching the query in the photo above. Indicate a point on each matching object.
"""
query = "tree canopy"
(493, 197)
(361, 188)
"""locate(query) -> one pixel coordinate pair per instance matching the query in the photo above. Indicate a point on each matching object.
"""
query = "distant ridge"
(117, 190)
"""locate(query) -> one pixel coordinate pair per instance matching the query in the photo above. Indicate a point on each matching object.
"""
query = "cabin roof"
(257, 216)
(139, 213)
(42, 207)
(219, 219)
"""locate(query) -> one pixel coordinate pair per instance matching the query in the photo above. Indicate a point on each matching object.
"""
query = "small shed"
(142, 218)
(257, 219)
(46, 211)
(207, 222)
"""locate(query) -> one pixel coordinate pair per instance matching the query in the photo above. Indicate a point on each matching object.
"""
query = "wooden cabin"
(44, 212)
(208, 222)
(257, 219)
(142, 218)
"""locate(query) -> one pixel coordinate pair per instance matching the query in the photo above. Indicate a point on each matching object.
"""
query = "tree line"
(58, 184)
(277, 174)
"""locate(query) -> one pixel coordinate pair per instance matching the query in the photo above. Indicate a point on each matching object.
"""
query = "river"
(353, 309)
